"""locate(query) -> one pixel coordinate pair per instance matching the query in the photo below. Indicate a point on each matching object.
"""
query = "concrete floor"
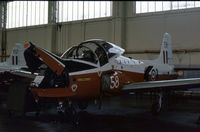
(115, 116)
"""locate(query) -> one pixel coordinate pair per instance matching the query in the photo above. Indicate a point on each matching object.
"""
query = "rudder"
(166, 55)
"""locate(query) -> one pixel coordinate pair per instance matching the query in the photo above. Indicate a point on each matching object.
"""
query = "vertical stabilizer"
(166, 56)
(17, 56)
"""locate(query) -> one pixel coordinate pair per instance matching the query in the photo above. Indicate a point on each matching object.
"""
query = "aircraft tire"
(82, 105)
(156, 109)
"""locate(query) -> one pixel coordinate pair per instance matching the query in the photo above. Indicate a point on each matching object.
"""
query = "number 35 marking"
(114, 82)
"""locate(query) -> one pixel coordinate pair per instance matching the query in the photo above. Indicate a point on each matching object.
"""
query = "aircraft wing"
(22, 73)
(151, 86)
(8, 76)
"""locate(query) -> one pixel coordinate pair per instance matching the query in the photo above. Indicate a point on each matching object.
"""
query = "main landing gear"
(157, 103)
(68, 110)
(162, 101)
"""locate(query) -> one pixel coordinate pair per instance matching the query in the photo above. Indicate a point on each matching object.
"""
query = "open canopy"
(94, 51)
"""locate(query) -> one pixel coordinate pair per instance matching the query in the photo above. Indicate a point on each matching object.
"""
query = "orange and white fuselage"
(89, 75)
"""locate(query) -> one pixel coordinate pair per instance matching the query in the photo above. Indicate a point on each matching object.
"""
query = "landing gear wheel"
(38, 109)
(156, 109)
(157, 104)
(83, 105)
(72, 114)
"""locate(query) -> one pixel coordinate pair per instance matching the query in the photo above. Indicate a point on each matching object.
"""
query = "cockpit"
(93, 51)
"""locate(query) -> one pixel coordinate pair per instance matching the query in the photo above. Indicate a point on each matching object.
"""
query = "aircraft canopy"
(93, 51)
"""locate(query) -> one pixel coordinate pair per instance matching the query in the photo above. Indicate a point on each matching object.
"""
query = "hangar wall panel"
(62, 38)
(77, 34)
(39, 35)
(69, 34)
(145, 32)
(99, 30)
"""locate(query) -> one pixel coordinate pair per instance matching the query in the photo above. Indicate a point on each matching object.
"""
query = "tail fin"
(166, 55)
(17, 56)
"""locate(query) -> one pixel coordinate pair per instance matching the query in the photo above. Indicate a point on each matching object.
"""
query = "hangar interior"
(138, 27)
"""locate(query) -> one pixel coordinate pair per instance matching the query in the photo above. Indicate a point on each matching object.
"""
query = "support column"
(119, 23)
(52, 15)
(3, 13)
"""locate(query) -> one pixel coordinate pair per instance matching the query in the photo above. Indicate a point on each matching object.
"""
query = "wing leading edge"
(177, 84)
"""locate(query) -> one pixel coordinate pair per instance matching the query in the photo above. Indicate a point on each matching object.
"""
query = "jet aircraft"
(96, 68)
(13, 65)
(16, 59)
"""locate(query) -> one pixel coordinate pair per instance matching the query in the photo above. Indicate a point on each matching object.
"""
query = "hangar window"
(155, 6)
(80, 10)
(26, 13)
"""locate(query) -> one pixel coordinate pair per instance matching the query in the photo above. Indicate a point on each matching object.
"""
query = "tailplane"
(166, 56)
